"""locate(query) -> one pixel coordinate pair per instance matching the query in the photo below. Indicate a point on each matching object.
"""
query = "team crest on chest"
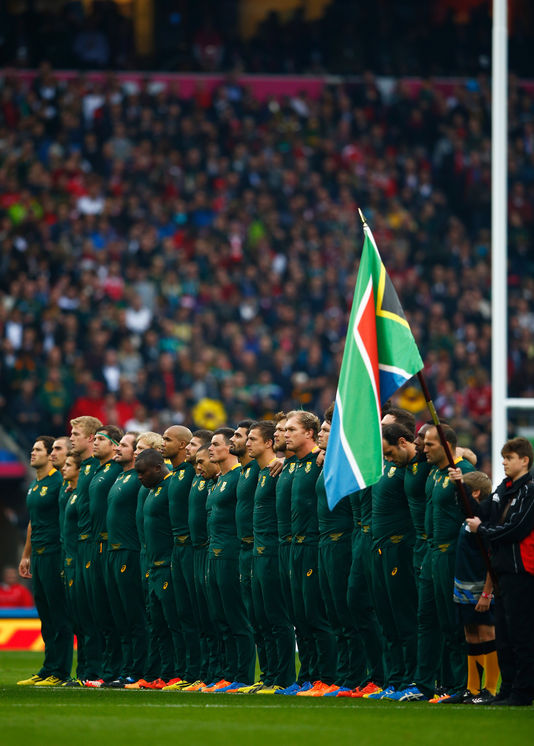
(43, 491)
(87, 469)
(307, 468)
(263, 480)
(414, 469)
(292, 468)
(392, 470)
(181, 475)
(223, 486)
(106, 467)
(445, 482)
(201, 484)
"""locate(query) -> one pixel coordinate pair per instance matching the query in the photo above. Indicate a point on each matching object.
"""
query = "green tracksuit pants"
(334, 569)
(362, 608)
(231, 618)
(153, 661)
(211, 668)
(317, 646)
(89, 629)
(428, 632)
(125, 593)
(245, 582)
(69, 579)
(51, 604)
(96, 575)
(455, 674)
(395, 597)
(167, 632)
(273, 621)
(184, 592)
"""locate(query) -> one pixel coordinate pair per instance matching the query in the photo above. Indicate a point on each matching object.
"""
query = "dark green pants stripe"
(127, 603)
(273, 621)
(51, 604)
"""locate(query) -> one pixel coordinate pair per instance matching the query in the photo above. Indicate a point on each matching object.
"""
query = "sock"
(491, 667)
(475, 662)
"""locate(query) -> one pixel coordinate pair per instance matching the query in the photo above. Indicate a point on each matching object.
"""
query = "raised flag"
(380, 356)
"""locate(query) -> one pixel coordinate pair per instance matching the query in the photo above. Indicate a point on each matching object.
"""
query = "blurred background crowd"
(169, 259)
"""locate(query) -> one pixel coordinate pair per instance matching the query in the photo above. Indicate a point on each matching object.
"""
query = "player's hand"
(276, 467)
(483, 604)
(24, 568)
(320, 458)
(473, 524)
(455, 474)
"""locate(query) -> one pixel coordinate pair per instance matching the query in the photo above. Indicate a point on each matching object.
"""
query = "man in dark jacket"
(507, 520)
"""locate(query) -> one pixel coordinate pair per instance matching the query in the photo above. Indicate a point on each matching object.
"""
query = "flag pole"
(460, 487)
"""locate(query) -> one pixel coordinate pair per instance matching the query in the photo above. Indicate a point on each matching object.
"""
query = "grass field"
(30, 715)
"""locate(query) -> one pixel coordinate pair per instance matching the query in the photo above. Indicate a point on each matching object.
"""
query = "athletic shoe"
(252, 688)
(156, 684)
(369, 688)
(410, 694)
(129, 680)
(176, 680)
(482, 698)
(460, 698)
(32, 681)
(94, 683)
(290, 690)
(196, 686)
(314, 691)
(140, 684)
(207, 686)
(50, 681)
(330, 691)
(346, 692)
(382, 694)
(439, 698)
(232, 688)
(222, 684)
(440, 692)
(178, 686)
(274, 689)
(115, 684)
(73, 683)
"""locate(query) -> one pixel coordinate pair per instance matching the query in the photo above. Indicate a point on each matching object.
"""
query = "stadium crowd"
(180, 560)
(168, 260)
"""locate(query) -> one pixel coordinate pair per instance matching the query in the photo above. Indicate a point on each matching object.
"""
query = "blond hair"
(89, 425)
(308, 420)
(477, 480)
(153, 440)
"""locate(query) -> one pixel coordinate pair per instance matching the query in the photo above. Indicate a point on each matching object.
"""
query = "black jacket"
(505, 537)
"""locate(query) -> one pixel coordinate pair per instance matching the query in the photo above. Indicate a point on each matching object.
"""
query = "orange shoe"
(156, 684)
(141, 684)
(327, 690)
(195, 687)
(316, 690)
(434, 700)
(369, 688)
(219, 685)
(171, 682)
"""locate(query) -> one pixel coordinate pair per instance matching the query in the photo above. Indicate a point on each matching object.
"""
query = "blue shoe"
(306, 686)
(336, 691)
(234, 686)
(411, 694)
(130, 680)
(384, 694)
(293, 689)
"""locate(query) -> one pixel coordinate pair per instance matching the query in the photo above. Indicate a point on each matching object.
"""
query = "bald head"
(175, 440)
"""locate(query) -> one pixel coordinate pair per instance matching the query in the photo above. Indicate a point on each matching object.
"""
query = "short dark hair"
(329, 413)
(204, 447)
(279, 416)
(402, 417)
(204, 436)
(244, 423)
(266, 428)
(47, 441)
(450, 435)
(392, 433)
(149, 457)
(114, 432)
(226, 432)
(521, 446)
(76, 457)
